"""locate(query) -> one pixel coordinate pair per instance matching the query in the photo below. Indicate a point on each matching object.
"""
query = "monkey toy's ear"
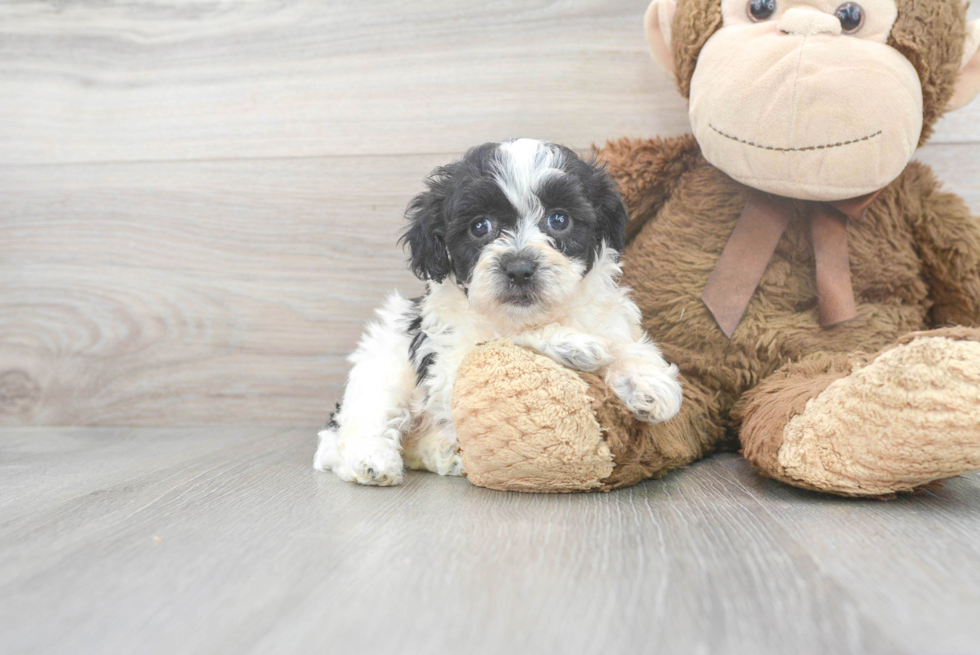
(659, 18)
(968, 81)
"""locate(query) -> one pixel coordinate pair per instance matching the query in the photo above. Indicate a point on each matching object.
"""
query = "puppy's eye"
(851, 17)
(760, 10)
(481, 228)
(558, 222)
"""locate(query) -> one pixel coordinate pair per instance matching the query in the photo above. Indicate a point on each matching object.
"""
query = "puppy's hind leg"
(327, 456)
(434, 448)
(362, 442)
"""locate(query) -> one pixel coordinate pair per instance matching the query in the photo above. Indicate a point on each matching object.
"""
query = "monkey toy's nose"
(520, 270)
(809, 22)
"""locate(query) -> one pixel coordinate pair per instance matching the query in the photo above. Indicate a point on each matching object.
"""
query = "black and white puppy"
(517, 240)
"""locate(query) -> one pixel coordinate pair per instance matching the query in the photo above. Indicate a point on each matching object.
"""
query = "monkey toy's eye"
(558, 222)
(760, 10)
(851, 17)
(481, 227)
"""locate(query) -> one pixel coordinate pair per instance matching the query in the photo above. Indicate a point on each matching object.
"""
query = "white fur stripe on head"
(521, 167)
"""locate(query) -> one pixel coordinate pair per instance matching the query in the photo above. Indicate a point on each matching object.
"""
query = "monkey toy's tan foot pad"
(909, 417)
(525, 423)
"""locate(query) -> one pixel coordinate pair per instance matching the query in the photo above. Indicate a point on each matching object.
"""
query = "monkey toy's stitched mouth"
(828, 146)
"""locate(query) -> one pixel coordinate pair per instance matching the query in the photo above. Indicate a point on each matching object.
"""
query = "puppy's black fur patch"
(440, 238)
(332, 423)
(419, 337)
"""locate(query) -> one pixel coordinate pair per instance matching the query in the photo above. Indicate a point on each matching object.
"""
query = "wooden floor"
(199, 204)
(227, 541)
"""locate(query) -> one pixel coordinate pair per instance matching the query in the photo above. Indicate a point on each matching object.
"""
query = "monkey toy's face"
(802, 98)
(810, 110)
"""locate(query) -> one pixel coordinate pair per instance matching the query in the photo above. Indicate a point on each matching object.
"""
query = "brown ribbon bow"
(751, 246)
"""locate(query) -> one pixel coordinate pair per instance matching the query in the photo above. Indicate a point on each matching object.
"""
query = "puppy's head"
(518, 225)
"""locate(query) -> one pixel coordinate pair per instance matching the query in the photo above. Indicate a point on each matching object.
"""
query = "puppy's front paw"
(582, 352)
(371, 461)
(654, 396)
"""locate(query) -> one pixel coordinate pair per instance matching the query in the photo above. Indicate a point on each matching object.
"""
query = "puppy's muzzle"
(519, 273)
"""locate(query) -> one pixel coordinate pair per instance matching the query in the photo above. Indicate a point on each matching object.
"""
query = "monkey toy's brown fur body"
(915, 261)
(884, 403)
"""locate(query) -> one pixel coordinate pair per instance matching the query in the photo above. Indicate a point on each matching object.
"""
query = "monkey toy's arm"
(647, 170)
(948, 239)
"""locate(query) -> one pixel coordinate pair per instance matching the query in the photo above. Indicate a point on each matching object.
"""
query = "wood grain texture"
(146, 81)
(210, 292)
(226, 540)
(191, 293)
(199, 201)
(150, 80)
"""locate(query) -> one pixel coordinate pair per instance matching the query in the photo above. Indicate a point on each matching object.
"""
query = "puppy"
(517, 240)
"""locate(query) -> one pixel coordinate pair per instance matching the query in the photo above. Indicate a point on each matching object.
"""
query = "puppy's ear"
(611, 217)
(426, 232)
(614, 220)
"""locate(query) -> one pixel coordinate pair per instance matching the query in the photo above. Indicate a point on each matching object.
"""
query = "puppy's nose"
(520, 270)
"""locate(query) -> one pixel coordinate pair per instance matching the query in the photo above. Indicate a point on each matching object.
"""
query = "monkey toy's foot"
(872, 426)
(526, 423)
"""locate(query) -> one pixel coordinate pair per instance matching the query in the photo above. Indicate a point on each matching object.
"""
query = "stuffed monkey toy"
(818, 289)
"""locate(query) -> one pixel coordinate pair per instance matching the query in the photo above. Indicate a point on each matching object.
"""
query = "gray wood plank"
(211, 292)
(959, 169)
(883, 552)
(43, 469)
(148, 80)
(193, 293)
(244, 548)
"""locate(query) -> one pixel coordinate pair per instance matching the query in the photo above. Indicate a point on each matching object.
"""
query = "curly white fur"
(584, 320)
(388, 420)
